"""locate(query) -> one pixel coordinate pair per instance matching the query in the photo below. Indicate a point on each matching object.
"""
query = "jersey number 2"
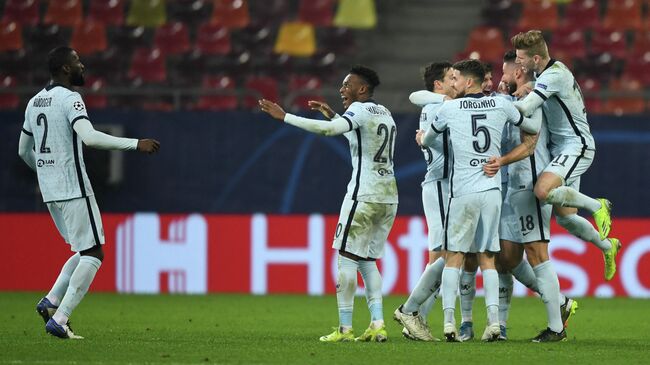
(42, 119)
(389, 139)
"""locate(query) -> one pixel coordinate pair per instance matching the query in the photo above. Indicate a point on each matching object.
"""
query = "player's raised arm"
(96, 139)
(322, 107)
(334, 128)
(424, 97)
(530, 103)
(26, 148)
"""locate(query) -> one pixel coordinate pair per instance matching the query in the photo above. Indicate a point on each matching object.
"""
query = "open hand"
(321, 107)
(272, 109)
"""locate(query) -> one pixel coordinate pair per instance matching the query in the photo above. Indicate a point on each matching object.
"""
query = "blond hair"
(532, 42)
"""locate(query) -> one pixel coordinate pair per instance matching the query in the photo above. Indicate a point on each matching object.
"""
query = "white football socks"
(373, 282)
(569, 197)
(505, 296)
(61, 284)
(491, 285)
(80, 281)
(467, 294)
(549, 288)
(426, 286)
(450, 279)
(581, 228)
(346, 286)
(524, 274)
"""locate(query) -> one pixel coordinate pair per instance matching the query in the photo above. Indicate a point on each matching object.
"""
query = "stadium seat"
(628, 99)
(637, 67)
(499, 13)
(66, 13)
(147, 13)
(590, 88)
(230, 13)
(42, 38)
(360, 14)
(15, 63)
(269, 10)
(317, 12)
(225, 101)
(24, 12)
(486, 43)
(11, 36)
(260, 87)
(336, 39)
(89, 37)
(148, 66)
(256, 37)
(126, 38)
(604, 40)
(172, 38)
(567, 44)
(582, 14)
(539, 14)
(95, 100)
(303, 88)
(8, 100)
(109, 12)
(623, 14)
(213, 39)
(641, 43)
(189, 12)
(296, 39)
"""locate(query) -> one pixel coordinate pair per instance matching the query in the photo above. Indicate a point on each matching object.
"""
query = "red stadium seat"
(8, 100)
(486, 44)
(582, 14)
(641, 43)
(24, 12)
(316, 12)
(109, 12)
(227, 101)
(303, 88)
(499, 13)
(148, 66)
(213, 39)
(590, 88)
(172, 38)
(66, 13)
(231, 13)
(89, 37)
(260, 87)
(539, 14)
(607, 41)
(623, 14)
(189, 12)
(628, 99)
(11, 36)
(637, 67)
(568, 44)
(95, 100)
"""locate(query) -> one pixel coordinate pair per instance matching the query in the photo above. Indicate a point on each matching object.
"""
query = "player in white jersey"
(572, 146)
(370, 205)
(413, 313)
(475, 123)
(56, 123)
(525, 223)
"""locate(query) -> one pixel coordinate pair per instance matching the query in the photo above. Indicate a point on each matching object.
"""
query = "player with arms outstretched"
(370, 205)
(56, 123)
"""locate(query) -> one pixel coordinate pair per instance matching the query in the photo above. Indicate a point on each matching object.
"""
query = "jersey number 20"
(389, 139)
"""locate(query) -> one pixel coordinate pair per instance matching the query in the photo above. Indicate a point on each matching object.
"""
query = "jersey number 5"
(389, 139)
(476, 130)
(42, 119)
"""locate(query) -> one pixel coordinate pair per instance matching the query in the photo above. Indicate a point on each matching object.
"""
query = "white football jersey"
(372, 144)
(522, 175)
(437, 155)
(60, 167)
(564, 109)
(475, 123)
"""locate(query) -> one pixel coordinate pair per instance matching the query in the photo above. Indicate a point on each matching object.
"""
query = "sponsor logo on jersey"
(384, 172)
(78, 106)
(476, 161)
(349, 113)
(40, 162)
(541, 86)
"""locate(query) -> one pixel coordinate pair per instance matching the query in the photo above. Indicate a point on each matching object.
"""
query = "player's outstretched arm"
(334, 128)
(96, 139)
(26, 150)
(532, 124)
(529, 104)
(322, 107)
(424, 97)
(523, 150)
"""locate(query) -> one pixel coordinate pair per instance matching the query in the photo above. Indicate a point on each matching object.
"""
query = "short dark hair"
(57, 58)
(471, 68)
(510, 56)
(368, 75)
(434, 71)
(487, 67)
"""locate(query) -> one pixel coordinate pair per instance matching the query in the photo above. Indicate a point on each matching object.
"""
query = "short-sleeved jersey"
(475, 123)
(372, 144)
(60, 167)
(437, 155)
(564, 109)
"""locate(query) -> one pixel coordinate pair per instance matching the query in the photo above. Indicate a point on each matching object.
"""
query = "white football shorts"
(435, 197)
(78, 221)
(473, 222)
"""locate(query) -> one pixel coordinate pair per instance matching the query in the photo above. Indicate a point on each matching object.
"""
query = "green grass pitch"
(284, 329)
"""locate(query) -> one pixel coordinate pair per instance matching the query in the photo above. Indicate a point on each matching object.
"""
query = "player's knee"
(95, 251)
(541, 192)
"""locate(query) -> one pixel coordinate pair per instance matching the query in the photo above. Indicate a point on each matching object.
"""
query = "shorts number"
(556, 161)
(389, 139)
(527, 223)
(42, 119)
(428, 155)
(482, 129)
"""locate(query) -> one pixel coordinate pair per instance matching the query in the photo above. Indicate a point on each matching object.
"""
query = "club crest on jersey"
(349, 113)
(541, 86)
(78, 105)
